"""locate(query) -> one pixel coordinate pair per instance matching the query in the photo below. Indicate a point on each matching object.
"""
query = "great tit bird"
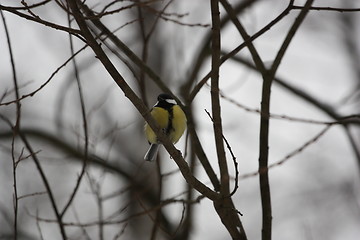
(170, 118)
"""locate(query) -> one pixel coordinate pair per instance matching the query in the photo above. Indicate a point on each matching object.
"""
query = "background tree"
(279, 83)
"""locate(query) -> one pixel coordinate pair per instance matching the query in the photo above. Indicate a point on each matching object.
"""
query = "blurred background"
(315, 191)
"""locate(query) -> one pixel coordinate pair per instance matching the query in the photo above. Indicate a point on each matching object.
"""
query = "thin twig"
(15, 128)
(31, 194)
(38, 226)
(47, 186)
(166, 16)
(47, 81)
(85, 126)
(35, 5)
(95, 187)
(83, 230)
(121, 232)
(104, 12)
(294, 28)
(75, 32)
(295, 7)
(202, 54)
(162, 204)
(129, 53)
(246, 42)
(322, 106)
(199, 150)
(69, 149)
(233, 157)
(341, 120)
(254, 53)
(181, 220)
(290, 155)
(29, 10)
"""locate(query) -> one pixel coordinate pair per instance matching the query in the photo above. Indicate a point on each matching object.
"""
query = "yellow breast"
(178, 123)
(161, 116)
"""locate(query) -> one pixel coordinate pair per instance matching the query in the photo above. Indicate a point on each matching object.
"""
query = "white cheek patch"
(171, 101)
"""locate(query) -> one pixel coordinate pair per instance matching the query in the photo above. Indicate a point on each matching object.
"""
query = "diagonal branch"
(254, 53)
(204, 51)
(47, 185)
(231, 54)
(13, 10)
(298, 21)
(127, 51)
(130, 94)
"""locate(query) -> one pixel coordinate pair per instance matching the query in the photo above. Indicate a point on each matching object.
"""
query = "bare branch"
(199, 150)
(254, 53)
(85, 126)
(75, 32)
(295, 7)
(268, 77)
(240, 47)
(31, 194)
(46, 82)
(27, 7)
(233, 157)
(129, 93)
(104, 11)
(290, 155)
(129, 53)
(298, 21)
(215, 100)
(15, 128)
(47, 186)
(353, 119)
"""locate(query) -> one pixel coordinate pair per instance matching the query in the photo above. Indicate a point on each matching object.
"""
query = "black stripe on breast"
(171, 116)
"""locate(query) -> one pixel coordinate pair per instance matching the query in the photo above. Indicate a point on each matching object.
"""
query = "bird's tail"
(152, 152)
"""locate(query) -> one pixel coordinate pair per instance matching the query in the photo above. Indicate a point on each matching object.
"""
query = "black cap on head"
(164, 96)
(165, 101)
